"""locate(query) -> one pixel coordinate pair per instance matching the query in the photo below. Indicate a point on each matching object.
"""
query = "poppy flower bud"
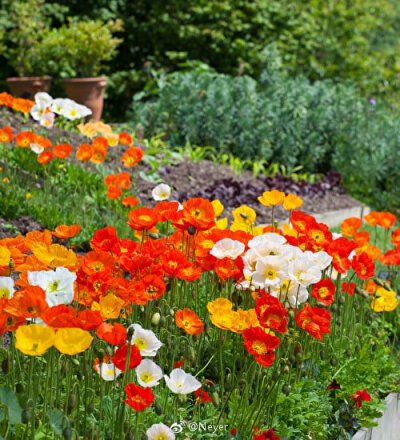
(26, 416)
(19, 388)
(286, 370)
(171, 312)
(342, 300)
(75, 362)
(191, 230)
(158, 408)
(109, 351)
(154, 236)
(67, 433)
(163, 321)
(215, 398)
(182, 398)
(286, 389)
(155, 319)
(333, 362)
(4, 366)
(72, 401)
(131, 330)
(192, 354)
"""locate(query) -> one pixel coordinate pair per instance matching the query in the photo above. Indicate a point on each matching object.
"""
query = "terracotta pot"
(87, 91)
(27, 87)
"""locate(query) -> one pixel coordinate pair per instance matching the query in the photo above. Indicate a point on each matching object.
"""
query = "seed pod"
(191, 230)
(339, 322)
(67, 433)
(334, 308)
(154, 236)
(26, 416)
(155, 319)
(286, 389)
(19, 388)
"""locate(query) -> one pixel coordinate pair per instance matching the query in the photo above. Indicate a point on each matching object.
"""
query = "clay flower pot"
(87, 91)
(27, 87)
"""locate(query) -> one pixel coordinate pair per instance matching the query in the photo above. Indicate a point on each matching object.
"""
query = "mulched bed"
(202, 179)
(22, 225)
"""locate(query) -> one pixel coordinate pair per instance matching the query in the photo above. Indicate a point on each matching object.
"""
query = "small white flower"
(148, 373)
(161, 192)
(107, 371)
(145, 340)
(304, 271)
(160, 431)
(180, 382)
(227, 248)
(6, 287)
(58, 285)
(47, 120)
(36, 148)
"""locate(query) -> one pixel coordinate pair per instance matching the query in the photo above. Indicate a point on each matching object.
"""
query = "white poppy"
(72, 110)
(43, 99)
(304, 271)
(270, 238)
(227, 248)
(58, 285)
(180, 382)
(6, 287)
(37, 112)
(148, 373)
(36, 148)
(57, 105)
(107, 371)
(269, 272)
(145, 340)
(159, 431)
(321, 259)
(161, 192)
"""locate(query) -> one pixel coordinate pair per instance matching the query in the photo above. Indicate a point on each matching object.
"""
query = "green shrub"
(320, 125)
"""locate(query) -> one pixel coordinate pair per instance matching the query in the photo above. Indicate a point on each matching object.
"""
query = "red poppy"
(24, 139)
(226, 268)
(104, 239)
(359, 397)
(318, 234)
(266, 435)
(261, 345)
(348, 288)
(45, 157)
(171, 262)
(324, 291)
(114, 192)
(119, 358)
(84, 152)
(202, 396)
(271, 313)
(142, 218)
(340, 249)
(66, 231)
(114, 334)
(60, 316)
(333, 385)
(178, 364)
(199, 213)
(165, 210)
(62, 151)
(130, 201)
(138, 398)
(391, 258)
(89, 319)
(300, 221)
(314, 320)
(363, 266)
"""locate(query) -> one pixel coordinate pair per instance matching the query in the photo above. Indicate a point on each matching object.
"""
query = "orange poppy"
(65, 231)
(62, 151)
(104, 239)
(6, 99)
(60, 316)
(84, 152)
(361, 237)
(114, 334)
(100, 141)
(42, 141)
(130, 201)
(22, 105)
(372, 218)
(45, 157)
(24, 139)
(350, 225)
(125, 138)
(37, 237)
(99, 153)
(396, 237)
(6, 134)
(187, 320)
(132, 156)
(124, 180)
(27, 303)
(142, 218)
(386, 220)
(97, 261)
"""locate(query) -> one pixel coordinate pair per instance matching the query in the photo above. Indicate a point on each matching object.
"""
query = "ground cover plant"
(184, 323)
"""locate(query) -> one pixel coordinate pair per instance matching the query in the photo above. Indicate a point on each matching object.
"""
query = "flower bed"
(185, 322)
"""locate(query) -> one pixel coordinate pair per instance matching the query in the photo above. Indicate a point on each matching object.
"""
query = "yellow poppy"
(292, 202)
(5, 256)
(110, 306)
(218, 207)
(55, 255)
(221, 304)
(222, 223)
(244, 215)
(72, 340)
(271, 198)
(34, 339)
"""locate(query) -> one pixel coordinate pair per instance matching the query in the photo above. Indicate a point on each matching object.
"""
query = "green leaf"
(9, 399)
(56, 418)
